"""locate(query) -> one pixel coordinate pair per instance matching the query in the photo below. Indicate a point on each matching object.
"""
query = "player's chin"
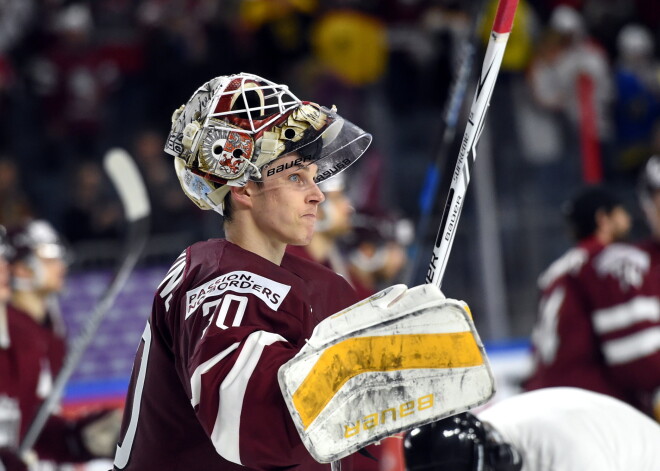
(304, 237)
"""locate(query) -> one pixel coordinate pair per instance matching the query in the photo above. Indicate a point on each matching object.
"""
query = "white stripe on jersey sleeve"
(196, 378)
(632, 347)
(621, 316)
(173, 278)
(226, 430)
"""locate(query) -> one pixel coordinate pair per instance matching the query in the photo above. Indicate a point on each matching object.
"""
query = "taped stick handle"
(506, 11)
(461, 176)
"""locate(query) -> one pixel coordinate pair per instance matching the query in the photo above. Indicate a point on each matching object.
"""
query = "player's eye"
(294, 177)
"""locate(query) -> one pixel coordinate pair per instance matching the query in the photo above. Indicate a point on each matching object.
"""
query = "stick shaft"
(136, 208)
(453, 107)
(461, 176)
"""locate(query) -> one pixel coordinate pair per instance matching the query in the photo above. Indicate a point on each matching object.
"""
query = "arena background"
(77, 78)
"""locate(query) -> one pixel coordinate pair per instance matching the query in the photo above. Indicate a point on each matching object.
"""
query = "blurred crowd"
(577, 99)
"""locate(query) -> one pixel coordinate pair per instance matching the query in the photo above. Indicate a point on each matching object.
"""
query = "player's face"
(46, 275)
(286, 205)
(54, 273)
(620, 223)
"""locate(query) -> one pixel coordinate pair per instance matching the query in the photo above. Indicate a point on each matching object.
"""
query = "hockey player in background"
(546, 430)
(599, 314)
(231, 313)
(31, 354)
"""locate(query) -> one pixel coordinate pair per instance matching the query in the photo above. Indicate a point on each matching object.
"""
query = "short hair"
(228, 209)
(580, 210)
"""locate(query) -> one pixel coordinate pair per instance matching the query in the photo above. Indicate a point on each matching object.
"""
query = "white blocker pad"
(394, 361)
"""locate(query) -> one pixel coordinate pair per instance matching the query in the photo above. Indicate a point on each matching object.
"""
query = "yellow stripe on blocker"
(354, 356)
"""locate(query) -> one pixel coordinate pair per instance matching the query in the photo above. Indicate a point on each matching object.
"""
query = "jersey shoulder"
(194, 263)
(569, 263)
(328, 291)
(23, 329)
(308, 269)
(626, 264)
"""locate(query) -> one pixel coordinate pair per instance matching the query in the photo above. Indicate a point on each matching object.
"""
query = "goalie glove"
(396, 360)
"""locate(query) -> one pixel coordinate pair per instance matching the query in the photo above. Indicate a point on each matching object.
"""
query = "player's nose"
(315, 194)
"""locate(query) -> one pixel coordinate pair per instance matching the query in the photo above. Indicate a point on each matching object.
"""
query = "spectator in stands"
(377, 248)
(637, 106)
(15, 207)
(92, 211)
(571, 74)
(169, 207)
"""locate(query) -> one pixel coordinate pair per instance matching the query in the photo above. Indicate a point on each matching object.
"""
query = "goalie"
(251, 358)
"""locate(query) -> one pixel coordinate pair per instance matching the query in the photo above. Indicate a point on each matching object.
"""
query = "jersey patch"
(269, 291)
(627, 264)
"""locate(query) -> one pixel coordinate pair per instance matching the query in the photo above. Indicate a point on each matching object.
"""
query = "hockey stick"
(447, 132)
(499, 35)
(129, 185)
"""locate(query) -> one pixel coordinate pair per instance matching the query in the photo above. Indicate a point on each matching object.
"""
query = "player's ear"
(242, 195)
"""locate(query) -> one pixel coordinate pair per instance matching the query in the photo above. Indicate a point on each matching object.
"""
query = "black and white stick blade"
(126, 178)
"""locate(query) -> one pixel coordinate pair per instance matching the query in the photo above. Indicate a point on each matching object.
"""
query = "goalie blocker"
(396, 360)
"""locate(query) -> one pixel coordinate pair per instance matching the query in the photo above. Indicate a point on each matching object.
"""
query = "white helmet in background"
(567, 20)
(37, 238)
(648, 189)
(634, 41)
(235, 127)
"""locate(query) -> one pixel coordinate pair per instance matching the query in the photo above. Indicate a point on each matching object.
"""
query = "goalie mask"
(234, 128)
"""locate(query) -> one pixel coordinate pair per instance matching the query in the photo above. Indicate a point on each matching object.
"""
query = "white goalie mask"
(234, 127)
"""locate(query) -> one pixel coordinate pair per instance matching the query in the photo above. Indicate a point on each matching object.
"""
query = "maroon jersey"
(204, 392)
(361, 290)
(28, 366)
(599, 323)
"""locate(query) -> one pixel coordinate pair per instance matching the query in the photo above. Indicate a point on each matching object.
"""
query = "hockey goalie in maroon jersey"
(216, 376)
(599, 315)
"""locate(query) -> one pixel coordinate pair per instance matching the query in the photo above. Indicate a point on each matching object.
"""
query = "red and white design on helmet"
(233, 126)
